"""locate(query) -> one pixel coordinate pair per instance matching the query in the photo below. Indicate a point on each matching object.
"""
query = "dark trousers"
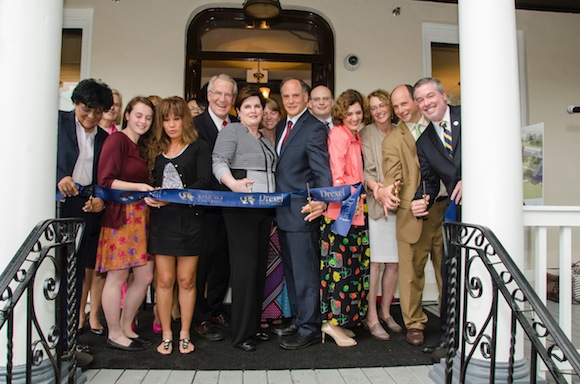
(301, 257)
(213, 269)
(248, 237)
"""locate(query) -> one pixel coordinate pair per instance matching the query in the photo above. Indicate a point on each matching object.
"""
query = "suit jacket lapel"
(295, 129)
(436, 141)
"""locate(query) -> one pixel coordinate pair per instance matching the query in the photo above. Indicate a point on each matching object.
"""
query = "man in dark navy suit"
(439, 151)
(303, 158)
(214, 264)
(79, 145)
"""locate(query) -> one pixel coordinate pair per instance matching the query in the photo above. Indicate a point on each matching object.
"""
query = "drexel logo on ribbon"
(343, 194)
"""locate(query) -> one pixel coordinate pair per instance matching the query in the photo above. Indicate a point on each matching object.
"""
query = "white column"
(491, 143)
(30, 45)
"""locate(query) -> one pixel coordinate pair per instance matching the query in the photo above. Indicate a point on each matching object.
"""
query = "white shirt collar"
(218, 121)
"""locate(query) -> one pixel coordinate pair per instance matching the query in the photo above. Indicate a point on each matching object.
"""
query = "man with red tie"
(301, 144)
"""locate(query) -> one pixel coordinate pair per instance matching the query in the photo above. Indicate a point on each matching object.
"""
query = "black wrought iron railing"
(469, 245)
(50, 247)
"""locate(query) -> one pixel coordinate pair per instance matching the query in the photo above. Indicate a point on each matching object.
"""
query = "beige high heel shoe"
(391, 323)
(337, 333)
(377, 331)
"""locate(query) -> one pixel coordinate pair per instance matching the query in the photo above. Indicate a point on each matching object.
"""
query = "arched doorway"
(224, 40)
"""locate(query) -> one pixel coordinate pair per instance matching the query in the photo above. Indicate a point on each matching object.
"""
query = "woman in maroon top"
(123, 238)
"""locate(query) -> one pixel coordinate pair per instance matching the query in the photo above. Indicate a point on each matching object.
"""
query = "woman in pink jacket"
(345, 260)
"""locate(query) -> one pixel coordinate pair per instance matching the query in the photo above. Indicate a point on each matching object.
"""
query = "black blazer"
(435, 162)
(303, 158)
(68, 148)
(208, 132)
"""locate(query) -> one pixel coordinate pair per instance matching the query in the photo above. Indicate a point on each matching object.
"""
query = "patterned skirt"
(344, 272)
(276, 303)
(126, 246)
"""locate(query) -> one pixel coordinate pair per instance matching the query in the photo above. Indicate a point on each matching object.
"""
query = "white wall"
(138, 47)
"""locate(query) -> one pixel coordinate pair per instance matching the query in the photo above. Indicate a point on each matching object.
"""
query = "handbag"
(576, 283)
(553, 285)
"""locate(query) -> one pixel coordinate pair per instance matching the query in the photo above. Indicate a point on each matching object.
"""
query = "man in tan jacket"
(416, 238)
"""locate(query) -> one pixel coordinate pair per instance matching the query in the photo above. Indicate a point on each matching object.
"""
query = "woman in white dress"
(382, 235)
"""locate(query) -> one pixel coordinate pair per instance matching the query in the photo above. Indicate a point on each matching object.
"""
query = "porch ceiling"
(568, 6)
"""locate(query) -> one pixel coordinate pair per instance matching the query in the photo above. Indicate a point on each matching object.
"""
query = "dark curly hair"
(94, 94)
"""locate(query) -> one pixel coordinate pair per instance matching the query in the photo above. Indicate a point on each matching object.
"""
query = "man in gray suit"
(303, 158)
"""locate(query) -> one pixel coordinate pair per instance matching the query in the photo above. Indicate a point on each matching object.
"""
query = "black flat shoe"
(262, 336)
(141, 340)
(83, 348)
(97, 331)
(299, 341)
(207, 332)
(133, 347)
(247, 346)
(435, 347)
(285, 330)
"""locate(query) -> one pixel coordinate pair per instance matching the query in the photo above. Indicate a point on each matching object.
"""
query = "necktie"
(417, 129)
(447, 139)
(224, 123)
(288, 129)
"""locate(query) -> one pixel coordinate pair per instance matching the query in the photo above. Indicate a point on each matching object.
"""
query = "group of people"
(288, 262)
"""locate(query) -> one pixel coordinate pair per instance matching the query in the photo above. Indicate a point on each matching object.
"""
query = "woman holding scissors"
(244, 160)
(345, 259)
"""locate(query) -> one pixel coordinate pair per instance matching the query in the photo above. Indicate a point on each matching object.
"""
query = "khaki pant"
(412, 261)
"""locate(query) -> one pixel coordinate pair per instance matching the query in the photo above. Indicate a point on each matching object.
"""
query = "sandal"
(184, 346)
(165, 344)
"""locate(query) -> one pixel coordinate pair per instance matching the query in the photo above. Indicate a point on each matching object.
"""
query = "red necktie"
(224, 123)
(288, 129)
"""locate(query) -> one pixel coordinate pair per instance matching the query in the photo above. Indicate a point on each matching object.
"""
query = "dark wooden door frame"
(293, 20)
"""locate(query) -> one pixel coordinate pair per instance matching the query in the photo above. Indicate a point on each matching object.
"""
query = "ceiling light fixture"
(262, 9)
(265, 92)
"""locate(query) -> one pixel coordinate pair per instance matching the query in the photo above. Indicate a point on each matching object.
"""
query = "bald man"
(320, 105)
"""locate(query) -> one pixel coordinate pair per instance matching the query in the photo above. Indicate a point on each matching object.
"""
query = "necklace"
(174, 150)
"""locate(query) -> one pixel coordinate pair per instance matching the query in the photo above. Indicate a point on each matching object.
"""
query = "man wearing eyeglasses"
(195, 107)
(214, 264)
(320, 105)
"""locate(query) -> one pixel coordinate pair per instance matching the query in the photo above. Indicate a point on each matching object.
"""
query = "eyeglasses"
(377, 107)
(319, 99)
(219, 95)
(198, 109)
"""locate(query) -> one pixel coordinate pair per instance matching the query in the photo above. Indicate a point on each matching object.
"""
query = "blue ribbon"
(343, 222)
(341, 194)
(189, 196)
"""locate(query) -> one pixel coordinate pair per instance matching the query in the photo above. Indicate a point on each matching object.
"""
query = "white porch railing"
(539, 219)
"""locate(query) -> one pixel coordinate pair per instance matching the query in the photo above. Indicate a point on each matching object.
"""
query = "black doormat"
(221, 355)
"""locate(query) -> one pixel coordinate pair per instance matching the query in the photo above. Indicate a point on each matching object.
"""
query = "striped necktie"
(447, 139)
